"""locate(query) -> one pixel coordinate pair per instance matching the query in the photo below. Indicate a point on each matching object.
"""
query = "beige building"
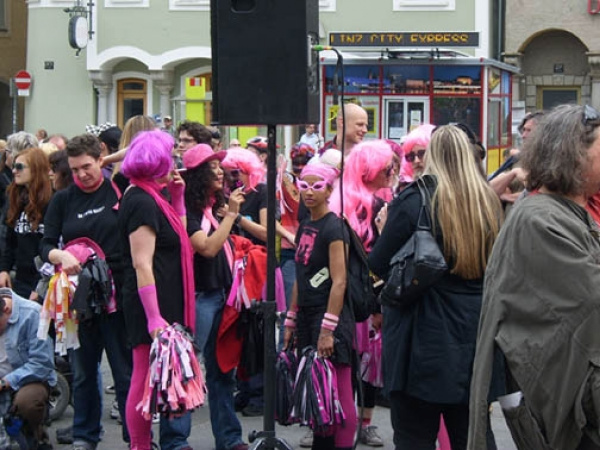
(556, 44)
(13, 48)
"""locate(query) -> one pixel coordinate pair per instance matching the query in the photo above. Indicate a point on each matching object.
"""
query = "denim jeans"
(288, 271)
(106, 332)
(226, 427)
(175, 432)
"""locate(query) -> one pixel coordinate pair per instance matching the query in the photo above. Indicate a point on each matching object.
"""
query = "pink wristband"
(332, 317)
(289, 323)
(328, 325)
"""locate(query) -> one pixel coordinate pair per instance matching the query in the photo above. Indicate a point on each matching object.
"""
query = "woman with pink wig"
(369, 171)
(159, 277)
(318, 313)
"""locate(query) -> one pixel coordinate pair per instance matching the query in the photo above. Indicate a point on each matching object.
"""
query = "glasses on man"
(410, 157)
(19, 167)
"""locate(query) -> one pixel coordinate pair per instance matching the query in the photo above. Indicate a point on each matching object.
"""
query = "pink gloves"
(150, 303)
(177, 191)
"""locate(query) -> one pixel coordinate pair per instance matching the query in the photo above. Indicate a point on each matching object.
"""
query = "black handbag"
(417, 265)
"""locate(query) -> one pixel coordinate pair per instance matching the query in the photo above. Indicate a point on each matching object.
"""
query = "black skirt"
(308, 328)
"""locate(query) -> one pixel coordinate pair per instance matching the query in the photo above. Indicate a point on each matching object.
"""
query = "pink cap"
(199, 154)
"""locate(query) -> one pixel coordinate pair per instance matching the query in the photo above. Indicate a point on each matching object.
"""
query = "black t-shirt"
(138, 209)
(209, 273)
(312, 258)
(73, 213)
(254, 201)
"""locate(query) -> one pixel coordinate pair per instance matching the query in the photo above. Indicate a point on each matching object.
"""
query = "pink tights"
(139, 428)
(344, 434)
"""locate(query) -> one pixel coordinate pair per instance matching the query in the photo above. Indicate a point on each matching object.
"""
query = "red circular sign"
(23, 80)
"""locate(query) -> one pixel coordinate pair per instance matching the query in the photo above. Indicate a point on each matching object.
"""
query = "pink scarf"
(153, 189)
(208, 220)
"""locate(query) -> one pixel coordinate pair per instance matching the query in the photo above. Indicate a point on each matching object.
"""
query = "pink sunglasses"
(316, 187)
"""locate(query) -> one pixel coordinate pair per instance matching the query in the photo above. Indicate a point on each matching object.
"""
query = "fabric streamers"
(57, 307)
(316, 401)
(285, 377)
(370, 365)
(175, 383)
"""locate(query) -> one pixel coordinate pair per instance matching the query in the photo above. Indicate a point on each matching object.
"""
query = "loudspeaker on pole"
(264, 70)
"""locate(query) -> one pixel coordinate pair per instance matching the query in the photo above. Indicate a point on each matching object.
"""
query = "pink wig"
(419, 136)
(365, 162)
(149, 156)
(247, 162)
(321, 170)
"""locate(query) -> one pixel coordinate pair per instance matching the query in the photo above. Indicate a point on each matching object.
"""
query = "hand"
(376, 320)
(5, 280)
(288, 335)
(236, 198)
(290, 237)
(325, 344)
(157, 327)
(222, 211)
(381, 218)
(34, 296)
(519, 174)
(69, 263)
(176, 188)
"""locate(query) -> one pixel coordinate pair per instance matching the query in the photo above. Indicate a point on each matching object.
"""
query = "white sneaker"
(156, 418)
(369, 436)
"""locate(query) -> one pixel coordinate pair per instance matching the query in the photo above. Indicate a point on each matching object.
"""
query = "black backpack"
(360, 293)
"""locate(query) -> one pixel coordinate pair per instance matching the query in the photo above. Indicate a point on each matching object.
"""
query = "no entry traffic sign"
(23, 82)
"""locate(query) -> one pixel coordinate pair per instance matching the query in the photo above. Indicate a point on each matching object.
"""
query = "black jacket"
(428, 348)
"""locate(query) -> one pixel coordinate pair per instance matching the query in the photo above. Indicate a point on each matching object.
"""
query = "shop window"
(493, 131)
(357, 79)
(457, 80)
(466, 110)
(3, 15)
(126, 3)
(494, 81)
(189, 5)
(131, 99)
(406, 80)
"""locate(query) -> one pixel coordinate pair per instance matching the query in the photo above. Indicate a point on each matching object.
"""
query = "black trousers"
(416, 423)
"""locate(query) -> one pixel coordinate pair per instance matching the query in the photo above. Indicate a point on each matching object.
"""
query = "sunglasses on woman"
(235, 173)
(410, 157)
(316, 187)
(19, 167)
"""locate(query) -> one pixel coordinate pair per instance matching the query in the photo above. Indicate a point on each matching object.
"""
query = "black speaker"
(264, 71)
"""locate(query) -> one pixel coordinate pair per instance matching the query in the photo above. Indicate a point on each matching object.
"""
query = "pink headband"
(323, 171)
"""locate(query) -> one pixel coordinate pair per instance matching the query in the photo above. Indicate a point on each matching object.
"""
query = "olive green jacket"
(541, 307)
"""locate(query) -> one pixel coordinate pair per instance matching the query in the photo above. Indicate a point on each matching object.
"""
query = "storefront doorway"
(403, 114)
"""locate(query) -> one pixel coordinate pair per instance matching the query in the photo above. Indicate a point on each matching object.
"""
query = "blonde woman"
(428, 347)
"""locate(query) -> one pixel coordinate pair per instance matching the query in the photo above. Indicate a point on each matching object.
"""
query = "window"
(126, 3)
(327, 5)
(131, 99)
(424, 5)
(189, 5)
(3, 15)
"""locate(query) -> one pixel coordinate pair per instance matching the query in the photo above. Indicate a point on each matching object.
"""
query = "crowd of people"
(513, 316)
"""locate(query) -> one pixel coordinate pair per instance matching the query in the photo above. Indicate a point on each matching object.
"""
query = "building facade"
(556, 45)
(154, 56)
(13, 47)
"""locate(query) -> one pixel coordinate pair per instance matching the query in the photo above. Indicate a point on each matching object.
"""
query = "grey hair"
(555, 154)
(19, 141)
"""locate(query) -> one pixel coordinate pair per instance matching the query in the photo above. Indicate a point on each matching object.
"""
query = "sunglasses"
(316, 187)
(410, 157)
(590, 115)
(235, 173)
(19, 167)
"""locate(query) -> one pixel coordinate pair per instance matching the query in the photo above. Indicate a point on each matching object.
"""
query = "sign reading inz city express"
(406, 39)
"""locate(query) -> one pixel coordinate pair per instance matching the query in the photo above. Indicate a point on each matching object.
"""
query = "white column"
(102, 80)
(163, 81)
(594, 62)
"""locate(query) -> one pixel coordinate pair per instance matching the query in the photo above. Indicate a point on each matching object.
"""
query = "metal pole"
(15, 105)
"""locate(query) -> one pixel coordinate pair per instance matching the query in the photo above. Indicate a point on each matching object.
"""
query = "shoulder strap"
(425, 210)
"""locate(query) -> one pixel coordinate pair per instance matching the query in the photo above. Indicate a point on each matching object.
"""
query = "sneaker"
(110, 389)
(156, 418)
(369, 436)
(83, 445)
(114, 411)
(252, 411)
(307, 440)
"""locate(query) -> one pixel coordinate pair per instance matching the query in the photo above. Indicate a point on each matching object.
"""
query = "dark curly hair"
(198, 188)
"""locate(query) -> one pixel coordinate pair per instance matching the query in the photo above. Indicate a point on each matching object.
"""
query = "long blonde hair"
(468, 211)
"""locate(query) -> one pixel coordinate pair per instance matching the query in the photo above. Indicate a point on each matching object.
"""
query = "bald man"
(356, 127)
